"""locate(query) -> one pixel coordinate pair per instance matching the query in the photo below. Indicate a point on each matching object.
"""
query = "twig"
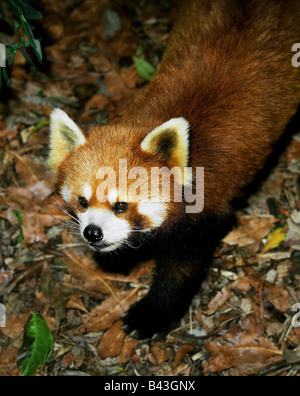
(63, 246)
(286, 330)
(278, 368)
(261, 299)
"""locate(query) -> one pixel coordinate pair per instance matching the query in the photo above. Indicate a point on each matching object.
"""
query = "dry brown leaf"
(293, 152)
(184, 349)
(86, 270)
(19, 196)
(273, 185)
(97, 102)
(5, 278)
(124, 44)
(292, 355)
(251, 231)
(129, 350)
(218, 301)
(15, 325)
(34, 226)
(278, 296)
(68, 359)
(246, 283)
(111, 342)
(8, 362)
(136, 273)
(75, 302)
(57, 294)
(42, 189)
(159, 353)
(248, 350)
(31, 173)
(130, 77)
(109, 311)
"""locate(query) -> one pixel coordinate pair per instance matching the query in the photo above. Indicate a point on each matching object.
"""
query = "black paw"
(147, 320)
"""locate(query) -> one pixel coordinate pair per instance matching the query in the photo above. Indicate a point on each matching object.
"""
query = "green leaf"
(23, 5)
(17, 26)
(6, 77)
(29, 12)
(38, 49)
(26, 56)
(19, 8)
(34, 43)
(41, 125)
(139, 51)
(37, 345)
(12, 56)
(2, 18)
(144, 68)
(20, 218)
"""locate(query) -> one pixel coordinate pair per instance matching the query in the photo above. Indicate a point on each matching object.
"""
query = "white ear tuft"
(62, 123)
(65, 136)
(170, 141)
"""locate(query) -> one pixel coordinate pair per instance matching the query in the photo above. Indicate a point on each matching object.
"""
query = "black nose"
(93, 234)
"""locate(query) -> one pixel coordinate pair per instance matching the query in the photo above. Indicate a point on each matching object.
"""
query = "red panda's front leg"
(182, 263)
(175, 283)
(174, 286)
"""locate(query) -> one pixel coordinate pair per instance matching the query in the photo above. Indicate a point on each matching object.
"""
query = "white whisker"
(60, 206)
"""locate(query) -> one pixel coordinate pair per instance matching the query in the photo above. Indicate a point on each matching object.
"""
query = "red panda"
(222, 96)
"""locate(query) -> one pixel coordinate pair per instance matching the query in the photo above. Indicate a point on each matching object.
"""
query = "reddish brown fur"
(228, 71)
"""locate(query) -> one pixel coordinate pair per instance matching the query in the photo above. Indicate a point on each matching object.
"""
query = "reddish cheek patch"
(135, 219)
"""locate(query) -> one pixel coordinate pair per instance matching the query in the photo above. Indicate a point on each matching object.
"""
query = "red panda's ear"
(170, 141)
(65, 136)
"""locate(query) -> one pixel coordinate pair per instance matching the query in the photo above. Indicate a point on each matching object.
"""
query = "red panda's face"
(106, 178)
(108, 214)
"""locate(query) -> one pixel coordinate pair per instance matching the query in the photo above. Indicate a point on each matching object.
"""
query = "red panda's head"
(111, 177)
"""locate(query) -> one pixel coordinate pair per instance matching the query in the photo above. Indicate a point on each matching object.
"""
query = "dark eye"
(120, 207)
(83, 202)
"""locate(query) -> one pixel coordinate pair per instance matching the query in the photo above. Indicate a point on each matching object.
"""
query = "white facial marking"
(66, 193)
(155, 211)
(87, 191)
(115, 230)
(113, 195)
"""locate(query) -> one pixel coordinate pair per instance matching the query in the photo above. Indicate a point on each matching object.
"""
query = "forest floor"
(240, 323)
